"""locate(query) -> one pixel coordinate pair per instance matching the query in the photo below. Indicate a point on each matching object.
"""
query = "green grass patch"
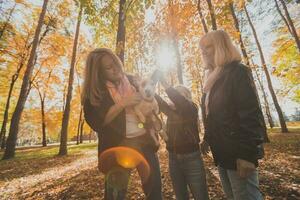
(28, 161)
(49, 151)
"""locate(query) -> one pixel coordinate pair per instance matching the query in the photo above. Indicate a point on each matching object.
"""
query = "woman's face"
(111, 70)
(207, 51)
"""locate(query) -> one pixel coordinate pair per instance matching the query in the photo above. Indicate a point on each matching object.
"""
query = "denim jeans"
(187, 170)
(152, 187)
(237, 188)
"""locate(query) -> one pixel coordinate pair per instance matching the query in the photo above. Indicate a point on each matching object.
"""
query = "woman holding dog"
(234, 124)
(108, 97)
(185, 160)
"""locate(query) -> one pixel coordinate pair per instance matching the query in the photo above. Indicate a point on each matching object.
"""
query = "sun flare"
(165, 56)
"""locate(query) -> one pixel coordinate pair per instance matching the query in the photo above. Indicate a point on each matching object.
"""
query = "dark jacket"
(112, 134)
(182, 123)
(234, 127)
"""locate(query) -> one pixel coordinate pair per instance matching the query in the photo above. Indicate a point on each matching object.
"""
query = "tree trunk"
(283, 17)
(79, 126)
(120, 46)
(5, 118)
(14, 128)
(291, 23)
(66, 114)
(270, 86)
(212, 15)
(44, 139)
(90, 136)
(201, 17)
(267, 107)
(81, 131)
(7, 21)
(237, 27)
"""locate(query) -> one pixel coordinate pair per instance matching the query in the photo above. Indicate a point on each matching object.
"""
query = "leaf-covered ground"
(38, 174)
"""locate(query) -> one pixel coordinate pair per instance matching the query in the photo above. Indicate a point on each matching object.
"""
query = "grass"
(293, 127)
(31, 161)
(46, 152)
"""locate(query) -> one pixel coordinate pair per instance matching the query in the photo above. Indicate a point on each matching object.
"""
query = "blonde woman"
(108, 98)
(234, 124)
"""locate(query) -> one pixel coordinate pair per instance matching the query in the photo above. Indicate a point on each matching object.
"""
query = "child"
(185, 160)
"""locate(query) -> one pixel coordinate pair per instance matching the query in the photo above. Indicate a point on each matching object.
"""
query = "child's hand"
(164, 82)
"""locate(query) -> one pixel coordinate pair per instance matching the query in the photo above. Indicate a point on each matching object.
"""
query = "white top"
(134, 128)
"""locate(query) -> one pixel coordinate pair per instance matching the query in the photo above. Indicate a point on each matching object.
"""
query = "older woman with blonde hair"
(234, 124)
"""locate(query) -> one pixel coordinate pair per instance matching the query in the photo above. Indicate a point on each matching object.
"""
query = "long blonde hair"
(225, 51)
(94, 83)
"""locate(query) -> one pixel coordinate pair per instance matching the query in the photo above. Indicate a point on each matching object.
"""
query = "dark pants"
(152, 187)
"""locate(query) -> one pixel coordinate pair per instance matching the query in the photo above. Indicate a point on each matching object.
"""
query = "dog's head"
(147, 89)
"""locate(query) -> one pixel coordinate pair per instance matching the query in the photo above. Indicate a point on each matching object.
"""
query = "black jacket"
(234, 126)
(182, 123)
(114, 133)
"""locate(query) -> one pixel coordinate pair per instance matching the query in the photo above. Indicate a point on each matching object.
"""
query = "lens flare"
(165, 56)
(118, 161)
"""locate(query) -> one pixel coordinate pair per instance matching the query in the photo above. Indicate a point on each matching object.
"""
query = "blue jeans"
(188, 170)
(152, 188)
(237, 188)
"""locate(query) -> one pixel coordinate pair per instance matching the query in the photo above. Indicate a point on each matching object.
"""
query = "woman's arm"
(115, 110)
(99, 116)
(251, 122)
(112, 113)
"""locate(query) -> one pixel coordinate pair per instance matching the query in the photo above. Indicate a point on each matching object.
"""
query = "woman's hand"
(117, 108)
(244, 168)
(204, 147)
(131, 100)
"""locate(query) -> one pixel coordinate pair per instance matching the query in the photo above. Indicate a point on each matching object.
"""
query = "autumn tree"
(212, 15)
(14, 128)
(66, 114)
(288, 21)
(264, 66)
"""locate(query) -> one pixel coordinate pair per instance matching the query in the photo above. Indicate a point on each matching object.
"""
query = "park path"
(20, 185)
